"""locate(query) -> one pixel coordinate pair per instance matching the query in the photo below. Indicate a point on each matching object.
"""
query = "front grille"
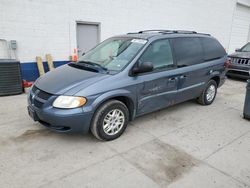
(38, 97)
(241, 61)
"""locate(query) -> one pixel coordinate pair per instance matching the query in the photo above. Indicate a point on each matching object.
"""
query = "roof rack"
(154, 31)
(168, 32)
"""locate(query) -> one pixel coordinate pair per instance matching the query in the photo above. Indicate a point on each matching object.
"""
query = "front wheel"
(208, 94)
(110, 120)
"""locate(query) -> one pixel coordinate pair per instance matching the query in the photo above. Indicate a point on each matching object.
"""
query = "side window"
(188, 51)
(212, 48)
(159, 53)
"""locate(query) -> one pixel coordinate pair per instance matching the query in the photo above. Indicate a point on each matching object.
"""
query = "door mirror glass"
(237, 50)
(143, 67)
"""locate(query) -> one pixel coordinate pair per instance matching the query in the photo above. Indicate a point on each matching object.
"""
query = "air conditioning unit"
(10, 77)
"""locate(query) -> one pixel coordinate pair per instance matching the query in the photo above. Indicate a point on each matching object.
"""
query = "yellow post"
(40, 67)
(50, 62)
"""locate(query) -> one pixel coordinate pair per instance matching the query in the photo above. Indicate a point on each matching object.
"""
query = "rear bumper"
(63, 120)
(238, 71)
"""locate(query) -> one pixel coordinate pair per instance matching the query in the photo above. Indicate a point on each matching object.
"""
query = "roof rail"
(149, 31)
(184, 32)
(162, 31)
(154, 31)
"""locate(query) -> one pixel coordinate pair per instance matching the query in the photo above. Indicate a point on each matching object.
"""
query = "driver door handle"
(172, 79)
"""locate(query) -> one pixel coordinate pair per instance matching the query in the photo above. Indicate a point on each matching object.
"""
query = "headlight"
(69, 102)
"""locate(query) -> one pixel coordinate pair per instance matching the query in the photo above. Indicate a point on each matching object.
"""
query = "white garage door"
(241, 28)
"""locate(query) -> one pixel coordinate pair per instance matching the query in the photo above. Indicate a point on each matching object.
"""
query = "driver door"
(159, 87)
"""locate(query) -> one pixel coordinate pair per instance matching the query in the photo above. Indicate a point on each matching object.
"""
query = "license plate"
(32, 114)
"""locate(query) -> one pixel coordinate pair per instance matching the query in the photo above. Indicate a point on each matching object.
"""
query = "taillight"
(227, 63)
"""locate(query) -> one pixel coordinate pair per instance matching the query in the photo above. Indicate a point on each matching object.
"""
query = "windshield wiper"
(93, 64)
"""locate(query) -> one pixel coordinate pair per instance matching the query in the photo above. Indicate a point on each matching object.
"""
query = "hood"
(67, 79)
(245, 55)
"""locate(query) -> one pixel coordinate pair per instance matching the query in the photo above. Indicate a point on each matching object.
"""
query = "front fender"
(115, 93)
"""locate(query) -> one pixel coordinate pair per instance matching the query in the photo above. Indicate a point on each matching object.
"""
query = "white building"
(58, 26)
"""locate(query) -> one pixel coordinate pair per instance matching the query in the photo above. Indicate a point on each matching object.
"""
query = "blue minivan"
(125, 77)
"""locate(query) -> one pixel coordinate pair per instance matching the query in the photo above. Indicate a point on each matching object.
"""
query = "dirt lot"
(186, 145)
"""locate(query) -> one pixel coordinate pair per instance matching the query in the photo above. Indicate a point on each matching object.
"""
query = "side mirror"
(144, 67)
(237, 50)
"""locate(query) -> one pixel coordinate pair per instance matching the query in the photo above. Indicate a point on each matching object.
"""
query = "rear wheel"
(110, 120)
(208, 94)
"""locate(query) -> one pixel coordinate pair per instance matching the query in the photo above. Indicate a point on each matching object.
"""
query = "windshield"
(113, 54)
(246, 48)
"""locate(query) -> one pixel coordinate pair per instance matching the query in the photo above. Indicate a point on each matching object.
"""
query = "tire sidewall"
(100, 118)
(211, 82)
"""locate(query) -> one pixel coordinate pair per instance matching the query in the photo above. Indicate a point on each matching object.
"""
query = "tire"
(204, 98)
(113, 115)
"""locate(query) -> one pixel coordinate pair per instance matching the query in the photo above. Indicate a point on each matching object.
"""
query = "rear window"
(212, 49)
(188, 51)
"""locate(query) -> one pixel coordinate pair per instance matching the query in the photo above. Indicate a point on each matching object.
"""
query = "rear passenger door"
(192, 72)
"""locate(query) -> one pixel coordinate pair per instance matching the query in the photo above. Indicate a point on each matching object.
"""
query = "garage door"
(240, 28)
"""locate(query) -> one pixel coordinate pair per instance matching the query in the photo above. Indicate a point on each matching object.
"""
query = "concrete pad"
(134, 180)
(39, 156)
(233, 101)
(208, 135)
(234, 159)
(161, 162)
(113, 172)
(13, 108)
(131, 138)
(232, 94)
(204, 176)
(18, 127)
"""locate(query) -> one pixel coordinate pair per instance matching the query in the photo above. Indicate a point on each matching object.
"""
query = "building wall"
(46, 26)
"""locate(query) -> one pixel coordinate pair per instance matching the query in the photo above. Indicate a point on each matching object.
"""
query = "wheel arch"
(216, 79)
(124, 96)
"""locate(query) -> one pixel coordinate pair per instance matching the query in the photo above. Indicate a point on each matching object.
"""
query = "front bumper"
(239, 71)
(62, 120)
(73, 120)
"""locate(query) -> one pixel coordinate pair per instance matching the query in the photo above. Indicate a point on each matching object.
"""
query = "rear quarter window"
(212, 49)
(188, 51)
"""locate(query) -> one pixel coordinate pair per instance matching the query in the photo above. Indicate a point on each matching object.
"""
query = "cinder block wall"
(45, 26)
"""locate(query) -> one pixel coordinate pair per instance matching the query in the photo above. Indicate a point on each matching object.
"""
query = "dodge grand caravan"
(125, 77)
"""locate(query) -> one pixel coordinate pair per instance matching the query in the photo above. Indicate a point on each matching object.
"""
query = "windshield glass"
(246, 48)
(113, 54)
